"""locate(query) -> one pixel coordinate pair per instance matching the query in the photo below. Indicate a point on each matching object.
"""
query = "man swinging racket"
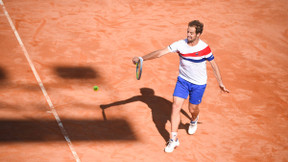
(192, 79)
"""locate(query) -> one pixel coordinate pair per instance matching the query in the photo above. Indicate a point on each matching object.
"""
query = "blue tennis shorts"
(184, 88)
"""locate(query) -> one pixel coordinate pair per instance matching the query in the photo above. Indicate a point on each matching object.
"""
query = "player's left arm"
(218, 76)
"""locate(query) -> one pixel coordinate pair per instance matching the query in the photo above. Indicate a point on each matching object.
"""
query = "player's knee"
(193, 108)
(176, 107)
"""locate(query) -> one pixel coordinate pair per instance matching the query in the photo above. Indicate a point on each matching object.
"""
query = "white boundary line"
(64, 132)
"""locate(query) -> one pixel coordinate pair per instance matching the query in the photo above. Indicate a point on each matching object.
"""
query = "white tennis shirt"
(192, 66)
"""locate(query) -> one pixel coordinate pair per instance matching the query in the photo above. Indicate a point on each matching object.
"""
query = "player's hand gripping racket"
(139, 65)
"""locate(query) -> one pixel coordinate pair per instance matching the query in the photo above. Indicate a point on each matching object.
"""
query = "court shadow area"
(78, 130)
(3, 77)
(71, 72)
(2, 74)
(161, 109)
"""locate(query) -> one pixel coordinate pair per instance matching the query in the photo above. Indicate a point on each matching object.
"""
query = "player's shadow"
(160, 107)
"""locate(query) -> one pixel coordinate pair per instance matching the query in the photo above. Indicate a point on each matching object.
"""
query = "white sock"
(174, 135)
(196, 120)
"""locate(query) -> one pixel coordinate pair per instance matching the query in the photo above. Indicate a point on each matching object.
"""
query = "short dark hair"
(198, 26)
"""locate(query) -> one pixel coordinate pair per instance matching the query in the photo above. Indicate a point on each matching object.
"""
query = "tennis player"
(192, 79)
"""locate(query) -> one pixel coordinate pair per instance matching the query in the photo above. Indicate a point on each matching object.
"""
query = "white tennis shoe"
(192, 127)
(172, 145)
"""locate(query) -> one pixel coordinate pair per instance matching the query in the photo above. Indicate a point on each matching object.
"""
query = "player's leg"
(194, 110)
(175, 121)
(180, 94)
(196, 94)
(175, 115)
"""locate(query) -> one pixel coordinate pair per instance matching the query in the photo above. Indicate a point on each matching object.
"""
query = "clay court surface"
(77, 44)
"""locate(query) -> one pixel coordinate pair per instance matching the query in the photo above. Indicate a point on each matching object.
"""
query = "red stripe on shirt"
(203, 52)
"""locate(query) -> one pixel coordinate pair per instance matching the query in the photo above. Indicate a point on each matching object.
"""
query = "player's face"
(191, 34)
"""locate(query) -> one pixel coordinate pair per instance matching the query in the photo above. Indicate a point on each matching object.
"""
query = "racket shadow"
(161, 109)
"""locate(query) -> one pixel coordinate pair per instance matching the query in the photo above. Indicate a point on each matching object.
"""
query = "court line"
(64, 132)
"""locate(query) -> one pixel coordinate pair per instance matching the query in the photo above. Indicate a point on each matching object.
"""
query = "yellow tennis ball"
(95, 88)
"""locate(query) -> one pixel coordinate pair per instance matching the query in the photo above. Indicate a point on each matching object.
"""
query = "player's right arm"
(152, 55)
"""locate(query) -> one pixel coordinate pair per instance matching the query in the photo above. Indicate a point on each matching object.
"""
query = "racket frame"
(139, 65)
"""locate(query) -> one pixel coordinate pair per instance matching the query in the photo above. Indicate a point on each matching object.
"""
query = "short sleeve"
(208, 55)
(174, 47)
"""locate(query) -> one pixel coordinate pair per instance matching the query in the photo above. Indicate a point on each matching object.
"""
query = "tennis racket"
(139, 65)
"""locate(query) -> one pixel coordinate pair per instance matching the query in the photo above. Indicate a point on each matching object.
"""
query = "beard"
(190, 40)
(193, 39)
